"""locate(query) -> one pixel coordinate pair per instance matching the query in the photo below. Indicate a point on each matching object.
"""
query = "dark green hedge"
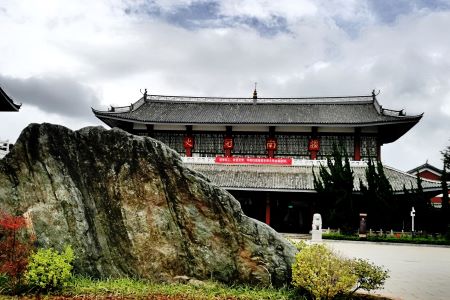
(390, 239)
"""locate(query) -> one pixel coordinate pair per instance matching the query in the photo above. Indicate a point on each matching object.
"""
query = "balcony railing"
(295, 162)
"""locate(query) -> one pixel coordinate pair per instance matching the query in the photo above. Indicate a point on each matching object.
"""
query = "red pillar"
(268, 210)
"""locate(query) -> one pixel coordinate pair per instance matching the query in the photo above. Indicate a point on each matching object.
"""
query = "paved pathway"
(416, 272)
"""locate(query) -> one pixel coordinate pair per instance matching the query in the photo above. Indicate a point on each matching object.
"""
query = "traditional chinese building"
(6, 104)
(427, 171)
(264, 150)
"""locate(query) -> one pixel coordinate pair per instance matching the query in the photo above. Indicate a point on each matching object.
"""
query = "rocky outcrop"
(129, 207)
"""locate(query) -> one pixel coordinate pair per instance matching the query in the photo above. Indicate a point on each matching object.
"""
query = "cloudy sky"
(59, 58)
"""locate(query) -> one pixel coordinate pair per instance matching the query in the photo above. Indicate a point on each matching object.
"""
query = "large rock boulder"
(129, 207)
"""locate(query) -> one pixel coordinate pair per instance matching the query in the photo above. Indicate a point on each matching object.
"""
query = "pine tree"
(335, 187)
(446, 157)
(445, 206)
(378, 197)
(422, 206)
(445, 211)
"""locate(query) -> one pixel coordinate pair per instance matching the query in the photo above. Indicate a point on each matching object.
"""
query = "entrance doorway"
(283, 211)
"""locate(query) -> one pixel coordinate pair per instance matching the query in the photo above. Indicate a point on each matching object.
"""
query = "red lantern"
(314, 145)
(228, 143)
(271, 144)
(188, 142)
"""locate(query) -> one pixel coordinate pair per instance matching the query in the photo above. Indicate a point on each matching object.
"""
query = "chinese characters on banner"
(253, 160)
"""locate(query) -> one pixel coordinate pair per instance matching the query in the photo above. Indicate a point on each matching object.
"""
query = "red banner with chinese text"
(253, 160)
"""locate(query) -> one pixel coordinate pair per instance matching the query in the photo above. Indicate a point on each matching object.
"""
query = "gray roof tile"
(293, 178)
(311, 111)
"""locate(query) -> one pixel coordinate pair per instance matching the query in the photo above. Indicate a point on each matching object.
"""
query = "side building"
(427, 171)
(264, 150)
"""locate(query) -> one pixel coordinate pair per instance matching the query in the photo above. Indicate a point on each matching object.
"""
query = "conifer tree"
(445, 206)
(378, 197)
(422, 206)
(446, 157)
(445, 211)
(335, 187)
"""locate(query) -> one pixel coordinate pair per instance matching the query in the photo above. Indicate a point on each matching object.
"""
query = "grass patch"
(142, 289)
(82, 288)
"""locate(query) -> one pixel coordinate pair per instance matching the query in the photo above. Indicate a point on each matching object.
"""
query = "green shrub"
(3, 283)
(300, 245)
(370, 276)
(321, 272)
(49, 270)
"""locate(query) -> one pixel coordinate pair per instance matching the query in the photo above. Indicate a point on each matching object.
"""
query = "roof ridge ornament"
(374, 95)
(144, 94)
(255, 94)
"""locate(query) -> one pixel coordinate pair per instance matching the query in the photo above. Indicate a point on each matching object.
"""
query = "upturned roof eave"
(9, 102)
(393, 135)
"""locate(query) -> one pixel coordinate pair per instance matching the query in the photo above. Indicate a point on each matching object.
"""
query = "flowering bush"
(14, 249)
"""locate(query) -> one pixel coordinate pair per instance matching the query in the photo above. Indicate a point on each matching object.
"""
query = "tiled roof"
(6, 103)
(356, 110)
(425, 166)
(294, 178)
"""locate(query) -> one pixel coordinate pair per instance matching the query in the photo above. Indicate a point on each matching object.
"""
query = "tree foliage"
(445, 210)
(378, 196)
(422, 206)
(335, 190)
(446, 157)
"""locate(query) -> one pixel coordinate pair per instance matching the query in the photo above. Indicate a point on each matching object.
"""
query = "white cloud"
(53, 94)
(266, 9)
(106, 55)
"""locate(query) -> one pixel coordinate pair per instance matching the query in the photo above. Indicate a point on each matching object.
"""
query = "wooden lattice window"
(295, 146)
(344, 142)
(173, 140)
(208, 144)
(368, 147)
(249, 145)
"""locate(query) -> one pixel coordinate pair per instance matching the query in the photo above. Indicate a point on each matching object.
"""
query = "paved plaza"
(416, 272)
